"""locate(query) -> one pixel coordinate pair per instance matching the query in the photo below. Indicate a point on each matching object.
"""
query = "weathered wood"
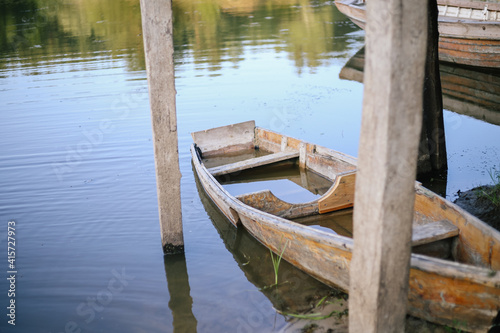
(396, 34)
(327, 256)
(340, 195)
(452, 291)
(462, 8)
(224, 139)
(267, 202)
(479, 243)
(471, 52)
(474, 42)
(158, 46)
(252, 163)
(431, 232)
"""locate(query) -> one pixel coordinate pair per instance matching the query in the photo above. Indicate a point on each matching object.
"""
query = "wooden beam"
(158, 46)
(432, 232)
(396, 35)
(340, 195)
(225, 139)
(253, 163)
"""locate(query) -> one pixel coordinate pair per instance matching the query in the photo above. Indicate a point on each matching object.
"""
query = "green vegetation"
(276, 262)
(307, 33)
(35, 29)
(210, 31)
(492, 193)
(453, 330)
(315, 315)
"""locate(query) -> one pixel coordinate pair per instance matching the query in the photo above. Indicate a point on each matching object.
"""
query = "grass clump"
(276, 262)
(492, 193)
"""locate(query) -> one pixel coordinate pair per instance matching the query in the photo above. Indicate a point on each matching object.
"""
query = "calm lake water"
(77, 169)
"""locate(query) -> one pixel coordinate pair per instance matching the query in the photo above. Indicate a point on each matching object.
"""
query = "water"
(77, 168)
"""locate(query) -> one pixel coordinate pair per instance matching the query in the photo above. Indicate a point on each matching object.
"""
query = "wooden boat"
(454, 280)
(469, 32)
(468, 90)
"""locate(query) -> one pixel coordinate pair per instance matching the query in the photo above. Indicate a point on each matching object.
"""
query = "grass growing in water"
(493, 194)
(276, 262)
(455, 330)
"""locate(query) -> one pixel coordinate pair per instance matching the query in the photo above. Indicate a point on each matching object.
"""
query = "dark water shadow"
(180, 302)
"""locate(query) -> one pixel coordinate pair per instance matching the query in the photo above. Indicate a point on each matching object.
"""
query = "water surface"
(77, 168)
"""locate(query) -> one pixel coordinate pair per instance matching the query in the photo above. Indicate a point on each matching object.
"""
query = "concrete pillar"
(396, 35)
(159, 49)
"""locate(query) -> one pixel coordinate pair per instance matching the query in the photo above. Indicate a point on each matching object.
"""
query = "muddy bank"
(478, 204)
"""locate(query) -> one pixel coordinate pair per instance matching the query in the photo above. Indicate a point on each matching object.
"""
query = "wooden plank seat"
(252, 163)
(432, 232)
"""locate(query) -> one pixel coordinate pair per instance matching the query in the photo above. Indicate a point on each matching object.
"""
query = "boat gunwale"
(476, 5)
(470, 4)
(462, 30)
(326, 152)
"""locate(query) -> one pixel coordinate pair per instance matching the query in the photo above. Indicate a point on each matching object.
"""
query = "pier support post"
(159, 49)
(396, 35)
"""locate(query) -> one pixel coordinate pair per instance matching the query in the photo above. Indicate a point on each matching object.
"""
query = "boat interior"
(312, 186)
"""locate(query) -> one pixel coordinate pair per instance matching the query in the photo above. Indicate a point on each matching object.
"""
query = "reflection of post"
(432, 157)
(180, 298)
(396, 34)
(158, 46)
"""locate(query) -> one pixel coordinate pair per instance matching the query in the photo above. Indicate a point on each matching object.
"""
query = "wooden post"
(396, 35)
(158, 46)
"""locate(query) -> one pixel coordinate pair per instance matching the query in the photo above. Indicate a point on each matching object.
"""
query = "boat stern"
(226, 139)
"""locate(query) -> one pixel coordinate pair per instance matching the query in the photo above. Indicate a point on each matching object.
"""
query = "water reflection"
(180, 298)
(68, 66)
(217, 30)
(33, 30)
(467, 90)
(212, 32)
(285, 180)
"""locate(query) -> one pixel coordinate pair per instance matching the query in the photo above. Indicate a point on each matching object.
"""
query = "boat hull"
(472, 52)
(445, 292)
(461, 41)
